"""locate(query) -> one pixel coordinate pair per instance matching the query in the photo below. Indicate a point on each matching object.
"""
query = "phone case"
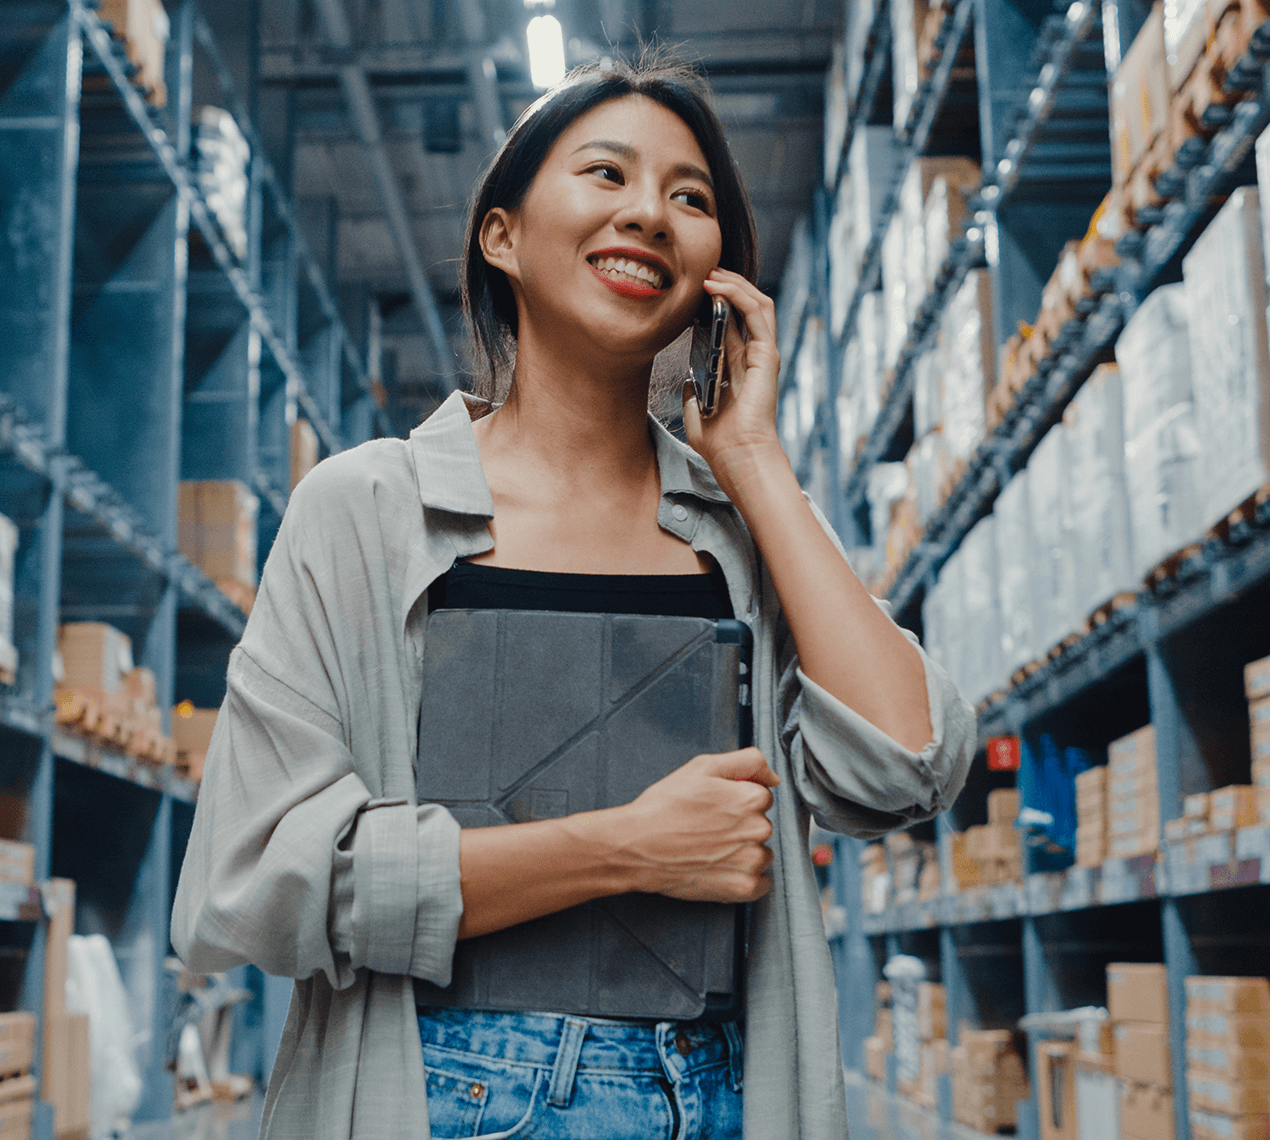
(535, 715)
(706, 359)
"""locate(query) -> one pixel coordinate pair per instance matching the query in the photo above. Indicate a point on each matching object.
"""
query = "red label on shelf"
(1003, 754)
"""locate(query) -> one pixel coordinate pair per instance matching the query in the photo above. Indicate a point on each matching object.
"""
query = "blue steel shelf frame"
(1172, 658)
(139, 351)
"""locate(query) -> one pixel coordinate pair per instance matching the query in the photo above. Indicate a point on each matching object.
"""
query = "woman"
(612, 207)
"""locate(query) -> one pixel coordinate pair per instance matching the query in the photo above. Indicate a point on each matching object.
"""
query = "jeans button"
(682, 1043)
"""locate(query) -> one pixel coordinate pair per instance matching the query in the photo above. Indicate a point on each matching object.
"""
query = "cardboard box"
(1056, 1070)
(1259, 719)
(1225, 1029)
(1144, 841)
(1257, 679)
(1146, 1112)
(217, 528)
(1142, 1053)
(1240, 995)
(66, 1074)
(144, 27)
(932, 1011)
(1133, 752)
(875, 1053)
(1233, 807)
(1091, 785)
(17, 1043)
(94, 655)
(1195, 806)
(192, 734)
(1003, 807)
(15, 1116)
(992, 842)
(1219, 1126)
(1229, 1062)
(304, 450)
(17, 862)
(1233, 1097)
(1138, 991)
(1139, 97)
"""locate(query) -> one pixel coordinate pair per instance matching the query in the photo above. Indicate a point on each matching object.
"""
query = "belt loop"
(736, 1055)
(562, 1072)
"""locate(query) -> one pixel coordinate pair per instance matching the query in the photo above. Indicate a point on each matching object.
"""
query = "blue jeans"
(561, 1077)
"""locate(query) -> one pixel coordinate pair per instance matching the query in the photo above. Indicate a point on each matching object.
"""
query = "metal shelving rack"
(139, 350)
(1173, 658)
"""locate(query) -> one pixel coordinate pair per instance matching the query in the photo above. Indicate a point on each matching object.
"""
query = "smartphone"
(707, 358)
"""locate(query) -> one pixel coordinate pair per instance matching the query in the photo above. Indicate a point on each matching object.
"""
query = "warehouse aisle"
(875, 1114)
(215, 1121)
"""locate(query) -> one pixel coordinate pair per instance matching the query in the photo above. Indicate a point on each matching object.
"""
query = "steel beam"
(482, 76)
(361, 108)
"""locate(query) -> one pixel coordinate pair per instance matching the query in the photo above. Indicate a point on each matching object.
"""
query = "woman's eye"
(694, 198)
(608, 173)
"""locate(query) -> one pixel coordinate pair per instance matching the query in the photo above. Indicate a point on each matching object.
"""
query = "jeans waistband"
(567, 1044)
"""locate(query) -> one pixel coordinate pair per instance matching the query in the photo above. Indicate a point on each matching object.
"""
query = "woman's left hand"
(741, 435)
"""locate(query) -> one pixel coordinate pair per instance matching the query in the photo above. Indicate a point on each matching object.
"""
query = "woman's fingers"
(758, 309)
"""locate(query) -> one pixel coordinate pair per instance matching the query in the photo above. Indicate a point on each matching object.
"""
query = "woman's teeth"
(632, 270)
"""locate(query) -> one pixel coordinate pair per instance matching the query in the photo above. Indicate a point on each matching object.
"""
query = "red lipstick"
(640, 290)
(627, 288)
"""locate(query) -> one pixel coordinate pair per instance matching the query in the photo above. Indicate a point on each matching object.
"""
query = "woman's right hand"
(700, 833)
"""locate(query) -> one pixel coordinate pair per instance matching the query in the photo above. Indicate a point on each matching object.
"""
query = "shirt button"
(476, 1090)
(679, 511)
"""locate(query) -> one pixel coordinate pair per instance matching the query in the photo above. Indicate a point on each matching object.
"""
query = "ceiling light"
(546, 51)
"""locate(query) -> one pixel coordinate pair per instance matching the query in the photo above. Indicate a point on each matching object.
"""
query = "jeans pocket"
(473, 1098)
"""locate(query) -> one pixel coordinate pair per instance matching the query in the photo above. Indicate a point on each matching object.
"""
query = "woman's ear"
(498, 241)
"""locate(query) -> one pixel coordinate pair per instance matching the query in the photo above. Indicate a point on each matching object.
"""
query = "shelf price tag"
(1003, 753)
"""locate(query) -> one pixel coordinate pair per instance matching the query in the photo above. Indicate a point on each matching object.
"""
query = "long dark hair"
(488, 302)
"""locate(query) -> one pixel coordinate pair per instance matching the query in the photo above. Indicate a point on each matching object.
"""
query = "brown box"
(992, 841)
(1227, 1029)
(875, 1054)
(17, 1043)
(1195, 806)
(59, 905)
(304, 450)
(1232, 1097)
(932, 1011)
(884, 1029)
(66, 1074)
(1229, 1062)
(217, 528)
(1146, 1112)
(17, 862)
(94, 655)
(1056, 1069)
(1091, 785)
(1259, 718)
(1138, 991)
(1143, 841)
(1003, 807)
(1257, 679)
(1212, 994)
(1142, 1053)
(15, 1116)
(1139, 97)
(192, 734)
(1263, 801)
(143, 25)
(1233, 807)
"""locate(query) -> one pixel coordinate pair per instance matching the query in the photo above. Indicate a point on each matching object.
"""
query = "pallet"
(1168, 568)
(1107, 610)
(1243, 516)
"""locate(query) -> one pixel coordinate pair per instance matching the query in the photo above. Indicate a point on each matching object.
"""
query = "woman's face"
(617, 232)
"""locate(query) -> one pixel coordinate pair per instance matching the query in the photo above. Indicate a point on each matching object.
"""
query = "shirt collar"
(448, 463)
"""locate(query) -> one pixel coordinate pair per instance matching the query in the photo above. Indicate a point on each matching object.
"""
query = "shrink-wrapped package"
(928, 394)
(791, 301)
(1015, 584)
(941, 184)
(980, 598)
(907, 17)
(894, 287)
(844, 260)
(835, 112)
(871, 164)
(944, 215)
(859, 22)
(810, 380)
(928, 466)
(969, 365)
(888, 484)
(953, 626)
(1093, 434)
(933, 607)
(1225, 279)
(1053, 564)
(1162, 450)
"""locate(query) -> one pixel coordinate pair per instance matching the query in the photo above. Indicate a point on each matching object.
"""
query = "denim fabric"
(560, 1077)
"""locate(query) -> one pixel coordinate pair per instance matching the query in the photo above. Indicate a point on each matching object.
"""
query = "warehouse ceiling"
(443, 76)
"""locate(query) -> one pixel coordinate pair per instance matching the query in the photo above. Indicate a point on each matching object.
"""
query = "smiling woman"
(611, 214)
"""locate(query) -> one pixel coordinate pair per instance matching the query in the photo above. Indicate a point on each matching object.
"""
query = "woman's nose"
(643, 211)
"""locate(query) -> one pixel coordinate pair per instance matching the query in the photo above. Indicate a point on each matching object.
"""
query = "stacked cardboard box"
(1014, 575)
(882, 1044)
(996, 848)
(875, 879)
(217, 532)
(1228, 1057)
(304, 450)
(908, 859)
(1052, 557)
(1097, 1091)
(1138, 1002)
(989, 1079)
(8, 550)
(1139, 98)
(907, 19)
(17, 862)
(934, 1050)
(1133, 795)
(17, 1085)
(102, 696)
(1091, 817)
(66, 1067)
(1257, 689)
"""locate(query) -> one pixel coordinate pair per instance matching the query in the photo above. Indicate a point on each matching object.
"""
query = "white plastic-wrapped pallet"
(906, 973)
(8, 551)
(223, 158)
(859, 22)
(835, 112)
(954, 629)
(969, 373)
(1162, 449)
(844, 261)
(928, 393)
(809, 376)
(888, 483)
(929, 460)
(1225, 279)
(1053, 564)
(913, 210)
(980, 598)
(1015, 585)
(894, 307)
(933, 608)
(906, 24)
(1093, 434)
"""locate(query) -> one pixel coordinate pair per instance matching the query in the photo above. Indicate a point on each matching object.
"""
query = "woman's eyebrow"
(628, 152)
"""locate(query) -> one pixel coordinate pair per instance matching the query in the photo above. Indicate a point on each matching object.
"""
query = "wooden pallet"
(1107, 610)
(1245, 514)
(1167, 569)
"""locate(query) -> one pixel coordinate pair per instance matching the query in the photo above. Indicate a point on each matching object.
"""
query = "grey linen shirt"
(311, 858)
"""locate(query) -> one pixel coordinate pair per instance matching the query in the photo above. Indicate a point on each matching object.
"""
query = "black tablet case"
(532, 715)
